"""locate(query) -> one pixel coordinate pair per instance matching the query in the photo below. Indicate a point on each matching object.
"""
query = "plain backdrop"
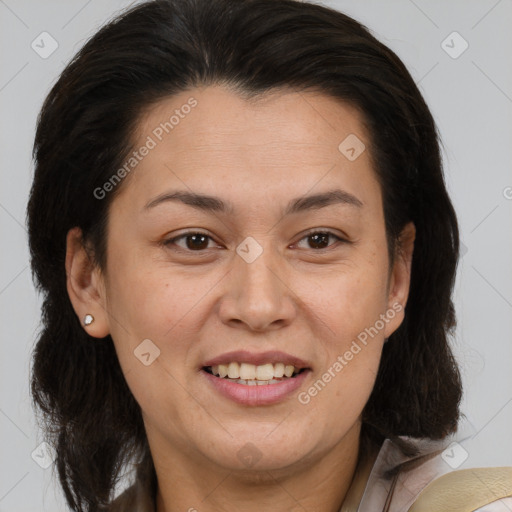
(470, 95)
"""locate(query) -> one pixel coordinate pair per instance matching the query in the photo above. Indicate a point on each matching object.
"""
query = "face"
(246, 234)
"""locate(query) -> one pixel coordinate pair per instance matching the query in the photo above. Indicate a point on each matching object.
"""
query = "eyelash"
(172, 241)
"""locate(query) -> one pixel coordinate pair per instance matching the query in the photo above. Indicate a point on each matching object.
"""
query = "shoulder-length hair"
(85, 130)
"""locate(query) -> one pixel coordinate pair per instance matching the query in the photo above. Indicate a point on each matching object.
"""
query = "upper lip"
(243, 356)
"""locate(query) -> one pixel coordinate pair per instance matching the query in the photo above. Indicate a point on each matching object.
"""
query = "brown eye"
(193, 241)
(198, 241)
(320, 239)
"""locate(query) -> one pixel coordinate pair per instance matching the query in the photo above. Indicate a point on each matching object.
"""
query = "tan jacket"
(425, 483)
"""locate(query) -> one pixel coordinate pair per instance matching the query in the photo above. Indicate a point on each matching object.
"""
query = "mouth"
(248, 374)
(255, 379)
(250, 378)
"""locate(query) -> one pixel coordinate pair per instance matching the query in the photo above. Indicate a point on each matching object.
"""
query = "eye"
(196, 241)
(193, 241)
(320, 239)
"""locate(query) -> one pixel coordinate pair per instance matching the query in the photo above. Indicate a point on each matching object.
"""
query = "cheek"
(145, 296)
(351, 349)
(356, 336)
(147, 304)
(353, 309)
(352, 300)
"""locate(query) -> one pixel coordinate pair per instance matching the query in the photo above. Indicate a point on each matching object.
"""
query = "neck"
(319, 483)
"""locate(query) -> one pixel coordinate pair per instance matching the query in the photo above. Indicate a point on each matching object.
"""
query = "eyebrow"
(208, 203)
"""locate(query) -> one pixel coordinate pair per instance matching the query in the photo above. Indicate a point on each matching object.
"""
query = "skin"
(295, 297)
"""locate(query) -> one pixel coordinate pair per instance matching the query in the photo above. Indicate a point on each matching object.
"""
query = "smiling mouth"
(251, 375)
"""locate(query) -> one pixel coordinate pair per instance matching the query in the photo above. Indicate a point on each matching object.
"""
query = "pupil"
(320, 239)
(198, 241)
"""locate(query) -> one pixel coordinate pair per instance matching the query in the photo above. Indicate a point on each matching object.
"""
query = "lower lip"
(256, 395)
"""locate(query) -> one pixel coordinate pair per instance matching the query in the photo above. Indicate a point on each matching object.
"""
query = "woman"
(240, 225)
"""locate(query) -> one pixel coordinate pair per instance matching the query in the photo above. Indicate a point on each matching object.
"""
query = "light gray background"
(471, 99)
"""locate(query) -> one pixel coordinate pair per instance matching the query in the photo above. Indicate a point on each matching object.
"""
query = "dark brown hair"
(84, 132)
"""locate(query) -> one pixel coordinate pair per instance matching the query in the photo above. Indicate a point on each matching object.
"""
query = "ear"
(85, 285)
(400, 278)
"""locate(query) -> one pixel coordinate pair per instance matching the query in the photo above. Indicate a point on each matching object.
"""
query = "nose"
(258, 296)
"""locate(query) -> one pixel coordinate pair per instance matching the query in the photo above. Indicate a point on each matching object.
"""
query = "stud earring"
(88, 319)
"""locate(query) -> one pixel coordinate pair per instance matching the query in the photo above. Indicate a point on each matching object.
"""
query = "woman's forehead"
(290, 143)
(279, 119)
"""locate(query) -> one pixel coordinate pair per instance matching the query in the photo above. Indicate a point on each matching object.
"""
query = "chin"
(256, 456)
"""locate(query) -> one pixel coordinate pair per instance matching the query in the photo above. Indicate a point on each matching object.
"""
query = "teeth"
(257, 382)
(278, 370)
(265, 372)
(249, 373)
(288, 370)
(234, 370)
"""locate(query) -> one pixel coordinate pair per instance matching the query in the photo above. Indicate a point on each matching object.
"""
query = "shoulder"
(427, 482)
(482, 489)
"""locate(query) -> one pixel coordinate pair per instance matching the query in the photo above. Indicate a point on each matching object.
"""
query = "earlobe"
(400, 278)
(85, 286)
